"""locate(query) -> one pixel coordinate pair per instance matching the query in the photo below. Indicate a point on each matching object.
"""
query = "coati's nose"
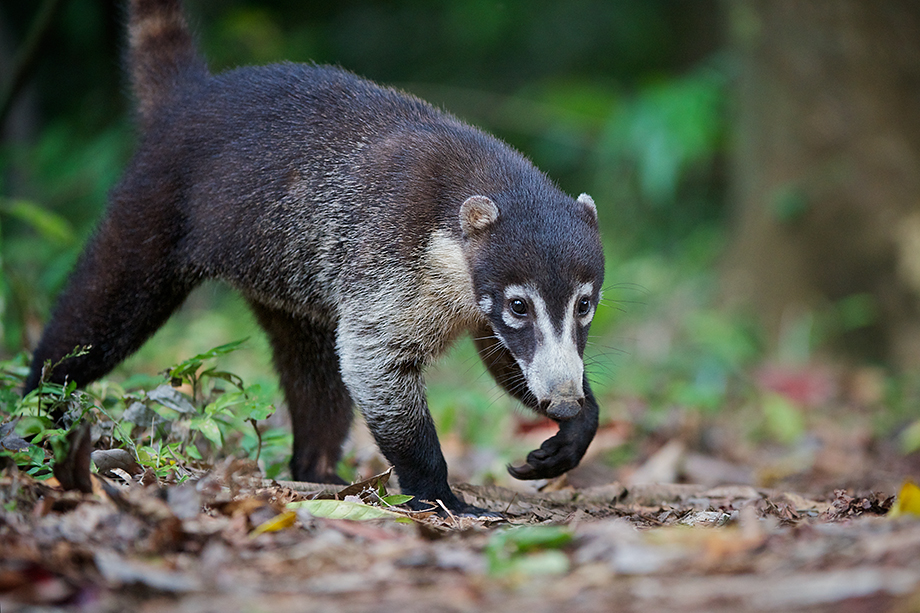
(562, 409)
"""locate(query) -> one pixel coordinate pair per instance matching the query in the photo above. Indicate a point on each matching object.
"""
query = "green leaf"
(30, 458)
(396, 499)
(50, 434)
(49, 225)
(539, 563)
(258, 411)
(194, 363)
(783, 419)
(224, 402)
(528, 550)
(529, 538)
(32, 425)
(146, 455)
(229, 377)
(208, 428)
(342, 509)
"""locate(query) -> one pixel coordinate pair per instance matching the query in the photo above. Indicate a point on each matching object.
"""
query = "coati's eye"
(518, 307)
(583, 307)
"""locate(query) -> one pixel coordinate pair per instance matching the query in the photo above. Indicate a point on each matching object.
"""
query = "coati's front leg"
(320, 406)
(390, 392)
(564, 450)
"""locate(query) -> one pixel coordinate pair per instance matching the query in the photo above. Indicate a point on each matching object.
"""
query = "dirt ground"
(227, 541)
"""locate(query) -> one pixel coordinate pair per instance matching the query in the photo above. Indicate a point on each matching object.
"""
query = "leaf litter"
(156, 531)
(227, 539)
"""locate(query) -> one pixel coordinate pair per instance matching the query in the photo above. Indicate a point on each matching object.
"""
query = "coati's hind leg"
(126, 284)
(320, 406)
(559, 453)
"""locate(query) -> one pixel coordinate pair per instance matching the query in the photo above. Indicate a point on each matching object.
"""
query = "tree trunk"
(826, 171)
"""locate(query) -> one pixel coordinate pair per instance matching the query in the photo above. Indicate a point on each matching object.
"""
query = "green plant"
(166, 429)
(528, 550)
(197, 426)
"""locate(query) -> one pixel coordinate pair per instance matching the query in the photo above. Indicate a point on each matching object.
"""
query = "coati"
(366, 229)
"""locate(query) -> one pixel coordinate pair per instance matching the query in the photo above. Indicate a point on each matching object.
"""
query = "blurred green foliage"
(624, 100)
(528, 551)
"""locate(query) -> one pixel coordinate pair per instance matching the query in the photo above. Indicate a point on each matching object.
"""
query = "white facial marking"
(556, 369)
(513, 292)
(485, 304)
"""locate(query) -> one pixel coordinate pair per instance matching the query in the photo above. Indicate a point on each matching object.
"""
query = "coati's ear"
(587, 202)
(476, 214)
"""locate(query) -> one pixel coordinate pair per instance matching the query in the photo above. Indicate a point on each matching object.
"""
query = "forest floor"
(817, 540)
(671, 511)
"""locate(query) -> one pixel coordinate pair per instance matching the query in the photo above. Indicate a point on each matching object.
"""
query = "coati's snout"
(554, 371)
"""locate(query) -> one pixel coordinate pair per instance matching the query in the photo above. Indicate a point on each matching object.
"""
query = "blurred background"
(756, 166)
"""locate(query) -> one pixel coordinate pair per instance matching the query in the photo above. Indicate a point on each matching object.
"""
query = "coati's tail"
(161, 54)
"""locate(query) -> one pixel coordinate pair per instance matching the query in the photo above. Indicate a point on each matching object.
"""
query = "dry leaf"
(907, 502)
(279, 522)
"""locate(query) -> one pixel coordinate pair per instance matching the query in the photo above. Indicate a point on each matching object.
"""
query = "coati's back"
(320, 161)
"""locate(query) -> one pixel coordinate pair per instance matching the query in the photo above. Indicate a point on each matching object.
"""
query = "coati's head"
(537, 267)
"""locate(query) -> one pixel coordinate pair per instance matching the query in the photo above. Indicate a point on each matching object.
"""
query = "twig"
(255, 427)
(449, 514)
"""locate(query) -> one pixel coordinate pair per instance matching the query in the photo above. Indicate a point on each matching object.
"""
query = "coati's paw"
(555, 456)
(477, 513)
(563, 451)
(454, 506)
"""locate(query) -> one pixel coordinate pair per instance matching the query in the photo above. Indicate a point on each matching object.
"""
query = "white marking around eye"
(585, 290)
(511, 292)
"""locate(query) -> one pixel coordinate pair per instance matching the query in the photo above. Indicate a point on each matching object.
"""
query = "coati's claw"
(477, 513)
(550, 460)
(523, 472)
